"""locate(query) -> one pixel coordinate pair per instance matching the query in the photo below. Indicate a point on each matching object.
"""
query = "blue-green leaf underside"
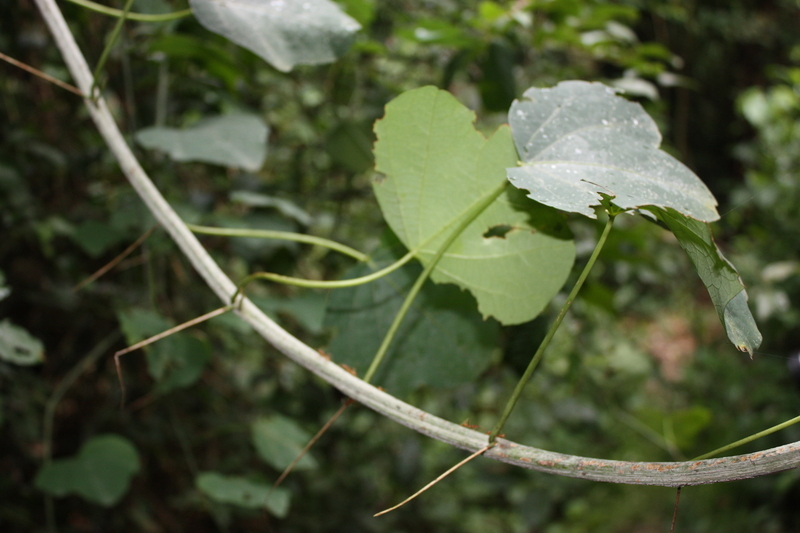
(284, 33)
(237, 140)
(435, 166)
(579, 140)
(243, 492)
(100, 472)
(443, 342)
(719, 276)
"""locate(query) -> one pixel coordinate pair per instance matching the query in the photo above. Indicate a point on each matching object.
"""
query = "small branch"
(347, 403)
(437, 480)
(114, 262)
(40, 74)
(154, 338)
(675, 510)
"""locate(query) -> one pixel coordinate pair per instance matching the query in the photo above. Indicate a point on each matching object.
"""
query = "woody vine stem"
(671, 474)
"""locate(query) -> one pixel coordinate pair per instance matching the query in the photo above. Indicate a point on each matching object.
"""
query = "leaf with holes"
(720, 278)
(284, 33)
(579, 141)
(238, 141)
(516, 255)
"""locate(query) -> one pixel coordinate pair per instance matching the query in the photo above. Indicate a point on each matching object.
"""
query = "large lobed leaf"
(442, 342)
(436, 166)
(719, 276)
(284, 33)
(580, 140)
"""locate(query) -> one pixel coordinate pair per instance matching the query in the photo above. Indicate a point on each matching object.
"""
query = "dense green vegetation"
(640, 370)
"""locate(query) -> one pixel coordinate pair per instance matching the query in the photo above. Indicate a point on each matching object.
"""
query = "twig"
(114, 262)
(163, 334)
(675, 510)
(311, 443)
(40, 74)
(437, 480)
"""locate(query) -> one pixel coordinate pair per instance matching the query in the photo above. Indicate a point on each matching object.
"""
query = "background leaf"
(720, 278)
(436, 167)
(279, 440)
(244, 493)
(100, 472)
(238, 140)
(174, 362)
(284, 33)
(579, 140)
(442, 342)
(18, 346)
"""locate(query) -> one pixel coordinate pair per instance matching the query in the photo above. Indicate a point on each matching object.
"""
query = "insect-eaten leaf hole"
(500, 231)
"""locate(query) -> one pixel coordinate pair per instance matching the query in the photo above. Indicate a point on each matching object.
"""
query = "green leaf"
(238, 140)
(18, 346)
(176, 361)
(307, 308)
(101, 471)
(443, 342)
(516, 255)
(284, 33)
(720, 278)
(244, 493)
(96, 237)
(580, 140)
(278, 440)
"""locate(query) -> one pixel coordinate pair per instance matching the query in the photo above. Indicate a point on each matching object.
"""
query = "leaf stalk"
(537, 357)
(469, 217)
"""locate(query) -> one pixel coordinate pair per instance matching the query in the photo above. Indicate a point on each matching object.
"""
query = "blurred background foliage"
(641, 369)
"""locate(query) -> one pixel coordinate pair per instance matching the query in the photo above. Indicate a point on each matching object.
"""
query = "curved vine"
(668, 474)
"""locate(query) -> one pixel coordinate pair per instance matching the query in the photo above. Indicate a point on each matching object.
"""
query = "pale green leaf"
(442, 342)
(244, 493)
(278, 440)
(719, 276)
(435, 167)
(238, 140)
(579, 140)
(18, 346)
(284, 33)
(100, 472)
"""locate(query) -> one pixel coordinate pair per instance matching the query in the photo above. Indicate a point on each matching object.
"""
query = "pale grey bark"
(663, 474)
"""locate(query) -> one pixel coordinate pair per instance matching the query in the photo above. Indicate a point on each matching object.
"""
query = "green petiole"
(751, 438)
(283, 236)
(469, 217)
(141, 17)
(107, 50)
(512, 401)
